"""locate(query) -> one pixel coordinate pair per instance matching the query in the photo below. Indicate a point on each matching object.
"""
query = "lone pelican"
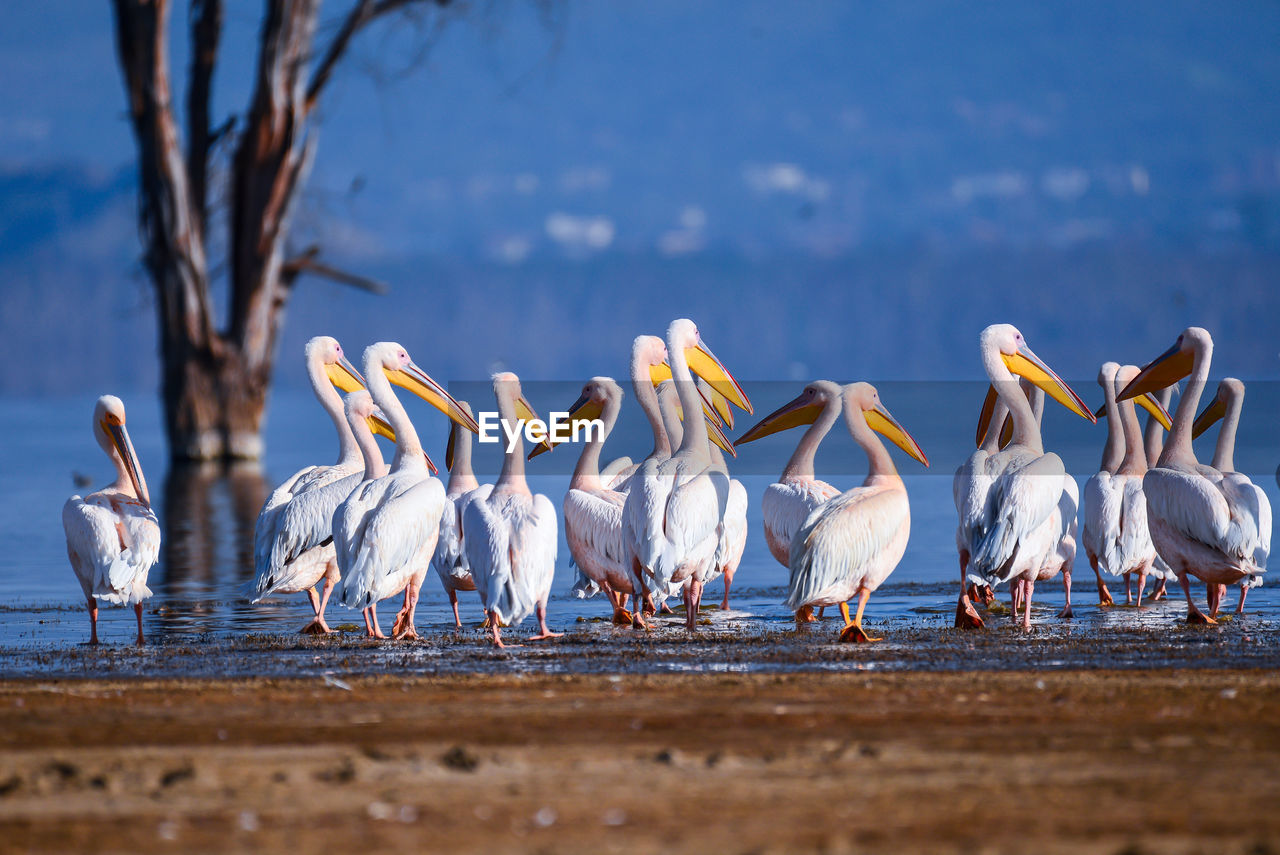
(385, 531)
(293, 538)
(848, 546)
(511, 533)
(113, 537)
(798, 492)
(1204, 524)
(1028, 491)
(1226, 405)
(450, 559)
(671, 519)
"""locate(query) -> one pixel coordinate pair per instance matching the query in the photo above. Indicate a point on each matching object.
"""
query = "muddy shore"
(1068, 760)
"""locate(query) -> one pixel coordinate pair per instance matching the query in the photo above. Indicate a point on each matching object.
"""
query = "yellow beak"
(718, 403)
(1149, 403)
(344, 375)
(804, 409)
(120, 439)
(525, 413)
(879, 420)
(416, 381)
(1165, 370)
(1209, 416)
(659, 372)
(988, 410)
(583, 410)
(1026, 364)
(704, 363)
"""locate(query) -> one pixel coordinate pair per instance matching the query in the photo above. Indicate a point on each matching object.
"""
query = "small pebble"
(545, 817)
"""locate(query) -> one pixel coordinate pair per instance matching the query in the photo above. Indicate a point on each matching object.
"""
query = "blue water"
(208, 519)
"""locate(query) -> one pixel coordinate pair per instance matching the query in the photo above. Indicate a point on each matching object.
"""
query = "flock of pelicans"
(643, 533)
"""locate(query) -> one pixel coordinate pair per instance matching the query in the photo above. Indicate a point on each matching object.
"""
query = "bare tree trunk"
(215, 382)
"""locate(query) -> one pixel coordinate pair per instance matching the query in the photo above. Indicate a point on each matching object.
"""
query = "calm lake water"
(208, 517)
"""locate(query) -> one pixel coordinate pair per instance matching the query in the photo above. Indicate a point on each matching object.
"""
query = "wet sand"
(991, 761)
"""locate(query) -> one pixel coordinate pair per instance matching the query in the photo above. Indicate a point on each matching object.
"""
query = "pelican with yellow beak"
(1202, 523)
(113, 537)
(1153, 441)
(1226, 405)
(511, 534)
(849, 545)
(293, 549)
(385, 532)
(1019, 536)
(673, 512)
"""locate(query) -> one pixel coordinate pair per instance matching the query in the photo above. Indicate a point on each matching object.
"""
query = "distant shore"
(1100, 761)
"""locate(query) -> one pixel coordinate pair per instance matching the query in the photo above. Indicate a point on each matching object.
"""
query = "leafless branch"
(308, 263)
(206, 31)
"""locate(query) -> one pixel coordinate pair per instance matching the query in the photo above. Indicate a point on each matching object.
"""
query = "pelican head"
(1007, 341)
(1172, 365)
(683, 333)
(394, 361)
(863, 398)
(1229, 390)
(803, 409)
(507, 385)
(448, 449)
(1124, 376)
(113, 437)
(596, 393)
(650, 352)
(325, 350)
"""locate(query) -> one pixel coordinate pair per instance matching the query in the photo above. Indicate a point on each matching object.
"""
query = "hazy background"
(830, 189)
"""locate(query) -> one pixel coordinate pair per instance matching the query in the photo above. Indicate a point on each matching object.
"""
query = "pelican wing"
(302, 524)
(643, 513)
(1213, 512)
(785, 507)
(112, 546)
(386, 524)
(1133, 545)
(1103, 501)
(511, 546)
(1251, 508)
(593, 530)
(841, 539)
(264, 531)
(617, 475)
(691, 524)
(1021, 499)
(733, 527)
(450, 558)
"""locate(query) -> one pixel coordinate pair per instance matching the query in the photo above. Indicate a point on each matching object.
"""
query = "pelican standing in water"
(1226, 405)
(969, 488)
(1103, 493)
(450, 559)
(798, 492)
(113, 538)
(511, 533)
(293, 538)
(1203, 523)
(385, 531)
(1028, 491)
(1119, 520)
(672, 516)
(1153, 439)
(848, 546)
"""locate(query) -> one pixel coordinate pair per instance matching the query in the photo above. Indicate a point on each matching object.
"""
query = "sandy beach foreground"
(1100, 761)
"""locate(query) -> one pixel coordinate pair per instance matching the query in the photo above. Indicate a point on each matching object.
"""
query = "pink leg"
(1128, 589)
(325, 590)
(1104, 596)
(728, 580)
(316, 626)
(966, 615)
(1066, 589)
(137, 610)
(93, 620)
(1244, 592)
(543, 632)
(371, 622)
(1194, 615)
(405, 621)
(1027, 587)
(453, 601)
(1142, 583)
(495, 626)
(692, 597)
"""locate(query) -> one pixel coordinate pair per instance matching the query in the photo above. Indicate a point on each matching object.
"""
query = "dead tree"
(216, 376)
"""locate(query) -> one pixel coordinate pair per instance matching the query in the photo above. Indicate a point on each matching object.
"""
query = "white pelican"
(593, 510)
(671, 518)
(1103, 494)
(788, 502)
(450, 559)
(293, 549)
(1154, 441)
(113, 537)
(385, 531)
(511, 533)
(848, 546)
(1226, 405)
(1203, 523)
(1116, 515)
(1027, 492)
(733, 523)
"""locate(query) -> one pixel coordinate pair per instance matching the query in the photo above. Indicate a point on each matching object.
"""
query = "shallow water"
(208, 518)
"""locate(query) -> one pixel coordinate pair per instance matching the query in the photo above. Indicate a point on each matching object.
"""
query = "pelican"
(798, 492)
(849, 545)
(1027, 494)
(1203, 523)
(1154, 441)
(113, 537)
(293, 548)
(592, 509)
(733, 523)
(385, 531)
(1103, 493)
(671, 518)
(1226, 405)
(511, 532)
(450, 559)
